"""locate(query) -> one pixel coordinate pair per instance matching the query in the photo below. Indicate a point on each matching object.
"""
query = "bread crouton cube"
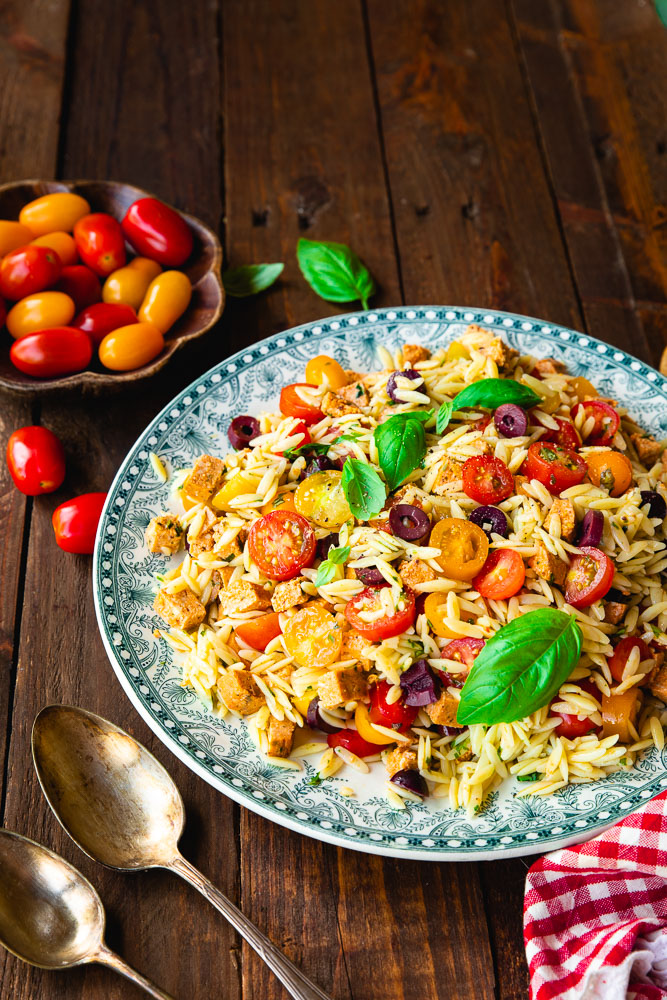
(413, 353)
(443, 711)
(561, 516)
(239, 691)
(657, 682)
(355, 393)
(354, 644)
(202, 543)
(400, 759)
(334, 406)
(548, 566)
(549, 366)
(164, 534)
(280, 736)
(243, 596)
(340, 685)
(648, 449)
(451, 472)
(415, 571)
(205, 478)
(288, 594)
(220, 578)
(181, 610)
(499, 352)
(614, 612)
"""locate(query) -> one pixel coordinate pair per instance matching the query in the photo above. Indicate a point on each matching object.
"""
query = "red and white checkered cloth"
(595, 916)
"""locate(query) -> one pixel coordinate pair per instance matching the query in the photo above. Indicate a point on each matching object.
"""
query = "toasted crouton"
(288, 594)
(340, 685)
(243, 596)
(548, 567)
(239, 691)
(443, 711)
(648, 449)
(614, 612)
(657, 681)
(413, 353)
(561, 521)
(280, 735)
(220, 578)
(181, 610)
(400, 759)
(164, 535)
(415, 571)
(499, 352)
(355, 393)
(205, 478)
(549, 366)
(451, 472)
(354, 643)
(334, 406)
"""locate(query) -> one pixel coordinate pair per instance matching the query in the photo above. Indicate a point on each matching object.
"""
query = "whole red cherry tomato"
(28, 270)
(99, 240)
(103, 317)
(81, 284)
(75, 522)
(396, 715)
(36, 460)
(157, 231)
(59, 350)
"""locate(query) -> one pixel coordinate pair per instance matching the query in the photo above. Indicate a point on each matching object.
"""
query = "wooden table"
(473, 152)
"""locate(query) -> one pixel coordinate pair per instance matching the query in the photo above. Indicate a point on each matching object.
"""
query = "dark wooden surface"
(480, 152)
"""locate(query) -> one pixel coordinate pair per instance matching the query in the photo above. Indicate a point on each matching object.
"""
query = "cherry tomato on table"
(487, 479)
(501, 576)
(130, 347)
(606, 420)
(99, 241)
(39, 312)
(36, 460)
(398, 715)
(463, 547)
(611, 470)
(619, 658)
(101, 318)
(313, 637)
(62, 243)
(321, 498)
(281, 544)
(81, 284)
(28, 270)
(555, 467)
(60, 350)
(167, 298)
(589, 577)
(75, 522)
(386, 626)
(157, 231)
(128, 285)
(566, 436)
(352, 741)
(53, 212)
(259, 632)
(291, 404)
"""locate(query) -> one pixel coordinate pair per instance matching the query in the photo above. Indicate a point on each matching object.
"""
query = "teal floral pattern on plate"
(219, 750)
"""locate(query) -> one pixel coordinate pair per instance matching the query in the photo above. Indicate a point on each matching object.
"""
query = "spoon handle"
(106, 957)
(294, 981)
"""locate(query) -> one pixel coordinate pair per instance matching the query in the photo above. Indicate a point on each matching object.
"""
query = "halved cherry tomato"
(99, 241)
(619, 658)
(611, 470)
(555, 467)
(581, 388)
(463, 547)
(352, 741)
(81, 284)
(57, 212)
(388, 625)
(324, 368)
(39, 312)
(36, 460)
(618, 712)
(281, 543)
(397, 715)
(62, 243)
(588, 578)
(321, 498)
(362, 721)
(566, 436)
(313, 637)
(101, 318)
(60, 350)
(606, 420)
(157, 231)
(130, 347)
(291, 404)
(435, 609)
(281, 501)
(13, 235)
(240, 483)
(128, 285)
(501, 576)
(572, 726)
(75, 522)
(465, 650)
(487, 479)
(259, 632)
(301, 429)
(28, 270)
(167, 298)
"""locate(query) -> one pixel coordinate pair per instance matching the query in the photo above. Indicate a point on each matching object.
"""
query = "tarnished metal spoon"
(122, 809)
(50, 915)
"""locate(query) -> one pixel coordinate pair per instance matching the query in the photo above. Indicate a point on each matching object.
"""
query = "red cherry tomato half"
(157, 231)
(396, 716)
(555, 467)
(463, 650)
(501, 576)
(281, 543)
(305, 436)
(487, 479)
(259, 632)
(386, 626)
(60, 350)
(588, 578)
(28, 270)
(36, 460)
(619, 658)
(100, 242)
(75, 522)
(352, 741)
(572, 726)
(566, 436)
(103, 317)
(606, 419)
(81, 284)
(291, 404)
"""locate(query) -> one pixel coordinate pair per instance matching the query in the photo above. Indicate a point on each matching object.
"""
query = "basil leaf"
(313, 448)
(423, 416)
(334, 271)
(521, 668)
(239, 282)
(364, 490)
(352, 436)
(327, 568)
(493, 392)
(401, 445)
(338, 555)
(444, 415)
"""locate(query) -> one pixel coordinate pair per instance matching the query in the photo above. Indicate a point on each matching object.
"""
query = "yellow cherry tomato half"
(456, 351)
(128, 285)
(323, 368)
(362, 721)
(131, 346)
(313, 637)
(167, 298)
(12, 236)
(304, 701)
(320, 497)
(242, 482)
(39, 312)
(463, 547)
(435, 609)
(581, 388)
(618, 711)
(53, 212)
(62, 243)
(611, 470)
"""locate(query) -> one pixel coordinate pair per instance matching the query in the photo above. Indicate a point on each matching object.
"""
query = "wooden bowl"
(203, 270)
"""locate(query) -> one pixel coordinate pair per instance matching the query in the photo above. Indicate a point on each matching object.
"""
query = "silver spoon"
(122, 809)
(50, 915)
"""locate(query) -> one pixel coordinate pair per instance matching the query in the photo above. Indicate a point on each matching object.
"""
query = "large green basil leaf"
(364, 490)
(239, 282)
(490, 393)
(401, 445)
(334, 271)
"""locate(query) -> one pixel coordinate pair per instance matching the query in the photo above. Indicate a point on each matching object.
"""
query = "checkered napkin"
(595, 916)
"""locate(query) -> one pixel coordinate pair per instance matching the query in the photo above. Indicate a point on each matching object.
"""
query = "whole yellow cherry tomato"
(323, 367)
(463, 547)
(313, 637)
(435, 609)
(62, 243)
(130, 347)
(12, 236)
(53, 212)
(167, 298)
(39, 312)
(128, 285)
(320, 497)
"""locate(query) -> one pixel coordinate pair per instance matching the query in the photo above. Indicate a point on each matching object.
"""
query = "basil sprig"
(327, 568)
(312, 448)
(364, 490)
(239, 282)
(521, 668)
(401, 445)
(334, 271)
(490, 393)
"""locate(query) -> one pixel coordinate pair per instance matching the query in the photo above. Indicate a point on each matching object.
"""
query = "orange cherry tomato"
(128, 285)
(323, 368)
(103, 317)
(435, 609)
(13, 235)
(75, 522)
(167, 298)
(611, 470)
(81, 284)
(463, 547)
(619, 658)
(281, 501)
(60, 350)
(313, 637)
(62, 243)
(131, 346)
(386, 626)
(36, 460)
(291, 404)
(28, 270)
(99, 242)
(259, 632)
(281, 544)
(501, 576)
(39, 312)
(58, 212)
(618, 711)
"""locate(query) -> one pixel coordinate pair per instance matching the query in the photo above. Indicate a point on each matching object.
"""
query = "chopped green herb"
(533, 776)
(315, 780)
(327, 568)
